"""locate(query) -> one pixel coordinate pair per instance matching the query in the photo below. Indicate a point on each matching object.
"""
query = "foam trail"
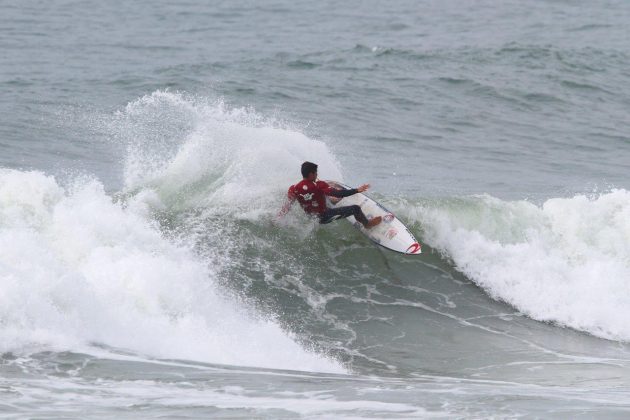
(77, 268)
(567, 261)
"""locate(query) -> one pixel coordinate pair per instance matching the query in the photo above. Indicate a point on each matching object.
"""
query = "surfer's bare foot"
(373, 222)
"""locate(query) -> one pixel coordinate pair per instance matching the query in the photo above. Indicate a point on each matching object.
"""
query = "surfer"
(311, 194)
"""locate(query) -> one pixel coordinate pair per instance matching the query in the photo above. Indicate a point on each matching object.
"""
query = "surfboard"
(391, 233)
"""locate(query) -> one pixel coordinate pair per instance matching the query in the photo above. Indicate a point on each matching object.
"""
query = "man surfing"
(311, 194)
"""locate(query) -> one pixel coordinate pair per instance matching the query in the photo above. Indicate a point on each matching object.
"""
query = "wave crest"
(566, 261)
(79, 269)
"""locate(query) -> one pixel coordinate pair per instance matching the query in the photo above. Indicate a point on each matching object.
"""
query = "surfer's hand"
(363, 187)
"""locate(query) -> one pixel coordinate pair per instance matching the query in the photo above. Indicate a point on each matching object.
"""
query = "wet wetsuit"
(312, 197)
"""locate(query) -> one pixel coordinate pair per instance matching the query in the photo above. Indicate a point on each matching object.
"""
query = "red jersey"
(311, 195)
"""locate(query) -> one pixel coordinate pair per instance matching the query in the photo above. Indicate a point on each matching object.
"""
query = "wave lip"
(566, 261)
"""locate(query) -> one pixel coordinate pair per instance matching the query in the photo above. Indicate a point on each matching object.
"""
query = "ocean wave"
(78, 268)
(566, 261)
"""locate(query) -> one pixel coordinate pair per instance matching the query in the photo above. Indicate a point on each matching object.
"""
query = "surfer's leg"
(331, 214)
(358, 214)
(342, 212)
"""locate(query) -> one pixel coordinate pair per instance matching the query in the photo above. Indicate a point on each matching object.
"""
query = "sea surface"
(147, 146)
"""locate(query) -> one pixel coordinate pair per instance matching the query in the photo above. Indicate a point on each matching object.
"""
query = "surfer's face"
(312, 176)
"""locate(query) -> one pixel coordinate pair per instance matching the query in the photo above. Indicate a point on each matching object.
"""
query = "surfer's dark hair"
(307, 168)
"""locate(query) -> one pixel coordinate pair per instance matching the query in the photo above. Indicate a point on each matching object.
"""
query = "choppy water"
(146, 148)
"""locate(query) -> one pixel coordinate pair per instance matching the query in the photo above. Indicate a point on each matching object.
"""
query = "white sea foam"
(227, 159)
(566, 261)
(77, 268)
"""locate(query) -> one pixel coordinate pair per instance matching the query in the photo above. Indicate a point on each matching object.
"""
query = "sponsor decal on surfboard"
(391, 233)
(414, 248)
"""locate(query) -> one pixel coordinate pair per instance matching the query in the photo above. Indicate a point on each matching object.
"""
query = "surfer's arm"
(287, 204)
(345, 193)
(342, 193)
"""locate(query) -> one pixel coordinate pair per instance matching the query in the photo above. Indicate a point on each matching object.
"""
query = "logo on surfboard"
(413, 248)
(391, 233)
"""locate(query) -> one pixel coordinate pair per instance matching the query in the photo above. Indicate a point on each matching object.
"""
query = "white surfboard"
(390, 233)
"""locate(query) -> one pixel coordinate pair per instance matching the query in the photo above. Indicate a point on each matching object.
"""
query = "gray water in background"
(438, 99)
(472, 98)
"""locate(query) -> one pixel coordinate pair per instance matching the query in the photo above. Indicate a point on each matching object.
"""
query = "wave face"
(79, 269)
(566, 261)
